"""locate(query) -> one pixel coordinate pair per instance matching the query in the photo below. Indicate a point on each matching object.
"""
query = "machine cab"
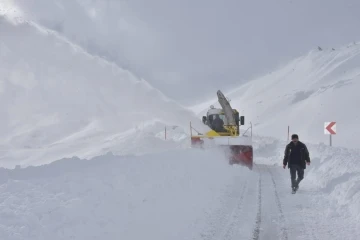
(216, 112)
(211, 115)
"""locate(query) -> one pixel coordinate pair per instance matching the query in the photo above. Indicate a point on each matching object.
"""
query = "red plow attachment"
(236, 153)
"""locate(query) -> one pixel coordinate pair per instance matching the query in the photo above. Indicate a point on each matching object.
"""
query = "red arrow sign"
(330, 127)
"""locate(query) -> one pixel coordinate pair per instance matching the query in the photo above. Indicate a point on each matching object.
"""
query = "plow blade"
(238, 150)
(242, 155)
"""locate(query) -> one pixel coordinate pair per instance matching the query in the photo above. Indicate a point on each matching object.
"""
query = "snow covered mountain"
(319, 87)
(154, 40)
(58, 101)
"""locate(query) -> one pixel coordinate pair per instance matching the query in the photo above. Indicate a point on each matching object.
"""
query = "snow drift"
(161, 196)
(319, 87)
(58, 101)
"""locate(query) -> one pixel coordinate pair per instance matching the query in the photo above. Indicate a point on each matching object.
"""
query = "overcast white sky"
(190, 48)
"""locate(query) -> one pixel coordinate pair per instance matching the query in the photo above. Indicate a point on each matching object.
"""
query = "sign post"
(330, 129)
(288, 135)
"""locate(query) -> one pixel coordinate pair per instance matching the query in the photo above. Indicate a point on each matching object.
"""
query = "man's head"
(294, 138)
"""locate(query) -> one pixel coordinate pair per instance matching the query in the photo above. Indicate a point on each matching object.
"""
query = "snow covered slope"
(58, 101)
(137, 34)
(320, 87)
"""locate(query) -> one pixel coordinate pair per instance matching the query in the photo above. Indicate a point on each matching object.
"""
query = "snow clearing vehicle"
(225, 133)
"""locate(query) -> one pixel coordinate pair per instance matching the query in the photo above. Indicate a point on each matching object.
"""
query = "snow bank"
(162, 196)
(58, 101)
(334, 172)
(320, 87)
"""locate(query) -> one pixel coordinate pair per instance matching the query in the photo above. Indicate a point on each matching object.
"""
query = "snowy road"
(263, 207)
(192, 196)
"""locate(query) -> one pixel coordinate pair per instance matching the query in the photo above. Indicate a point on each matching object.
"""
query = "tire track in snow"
(294, 212)
(225, 218)
(232, 222)
(256, 231)
(284, 231)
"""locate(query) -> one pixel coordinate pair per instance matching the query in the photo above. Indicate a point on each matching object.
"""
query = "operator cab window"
(211, 118)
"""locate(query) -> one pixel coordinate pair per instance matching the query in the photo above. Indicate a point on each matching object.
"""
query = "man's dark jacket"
(296, 154)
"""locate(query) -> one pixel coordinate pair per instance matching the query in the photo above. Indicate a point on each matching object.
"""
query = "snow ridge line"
(256, 231)
(222, 222)
(279, 206)
(225, 225)
(234, 215)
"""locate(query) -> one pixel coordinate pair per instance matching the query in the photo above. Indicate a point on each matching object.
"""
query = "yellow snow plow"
(225, 132)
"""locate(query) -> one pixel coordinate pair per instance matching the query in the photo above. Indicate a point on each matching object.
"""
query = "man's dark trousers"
(300, 172)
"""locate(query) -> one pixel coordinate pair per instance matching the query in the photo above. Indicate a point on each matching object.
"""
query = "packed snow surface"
(165, 195)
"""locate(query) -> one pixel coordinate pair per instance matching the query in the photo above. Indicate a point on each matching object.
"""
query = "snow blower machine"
(225, 125)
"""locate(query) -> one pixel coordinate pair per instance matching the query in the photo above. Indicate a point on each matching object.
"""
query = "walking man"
(296, 157)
